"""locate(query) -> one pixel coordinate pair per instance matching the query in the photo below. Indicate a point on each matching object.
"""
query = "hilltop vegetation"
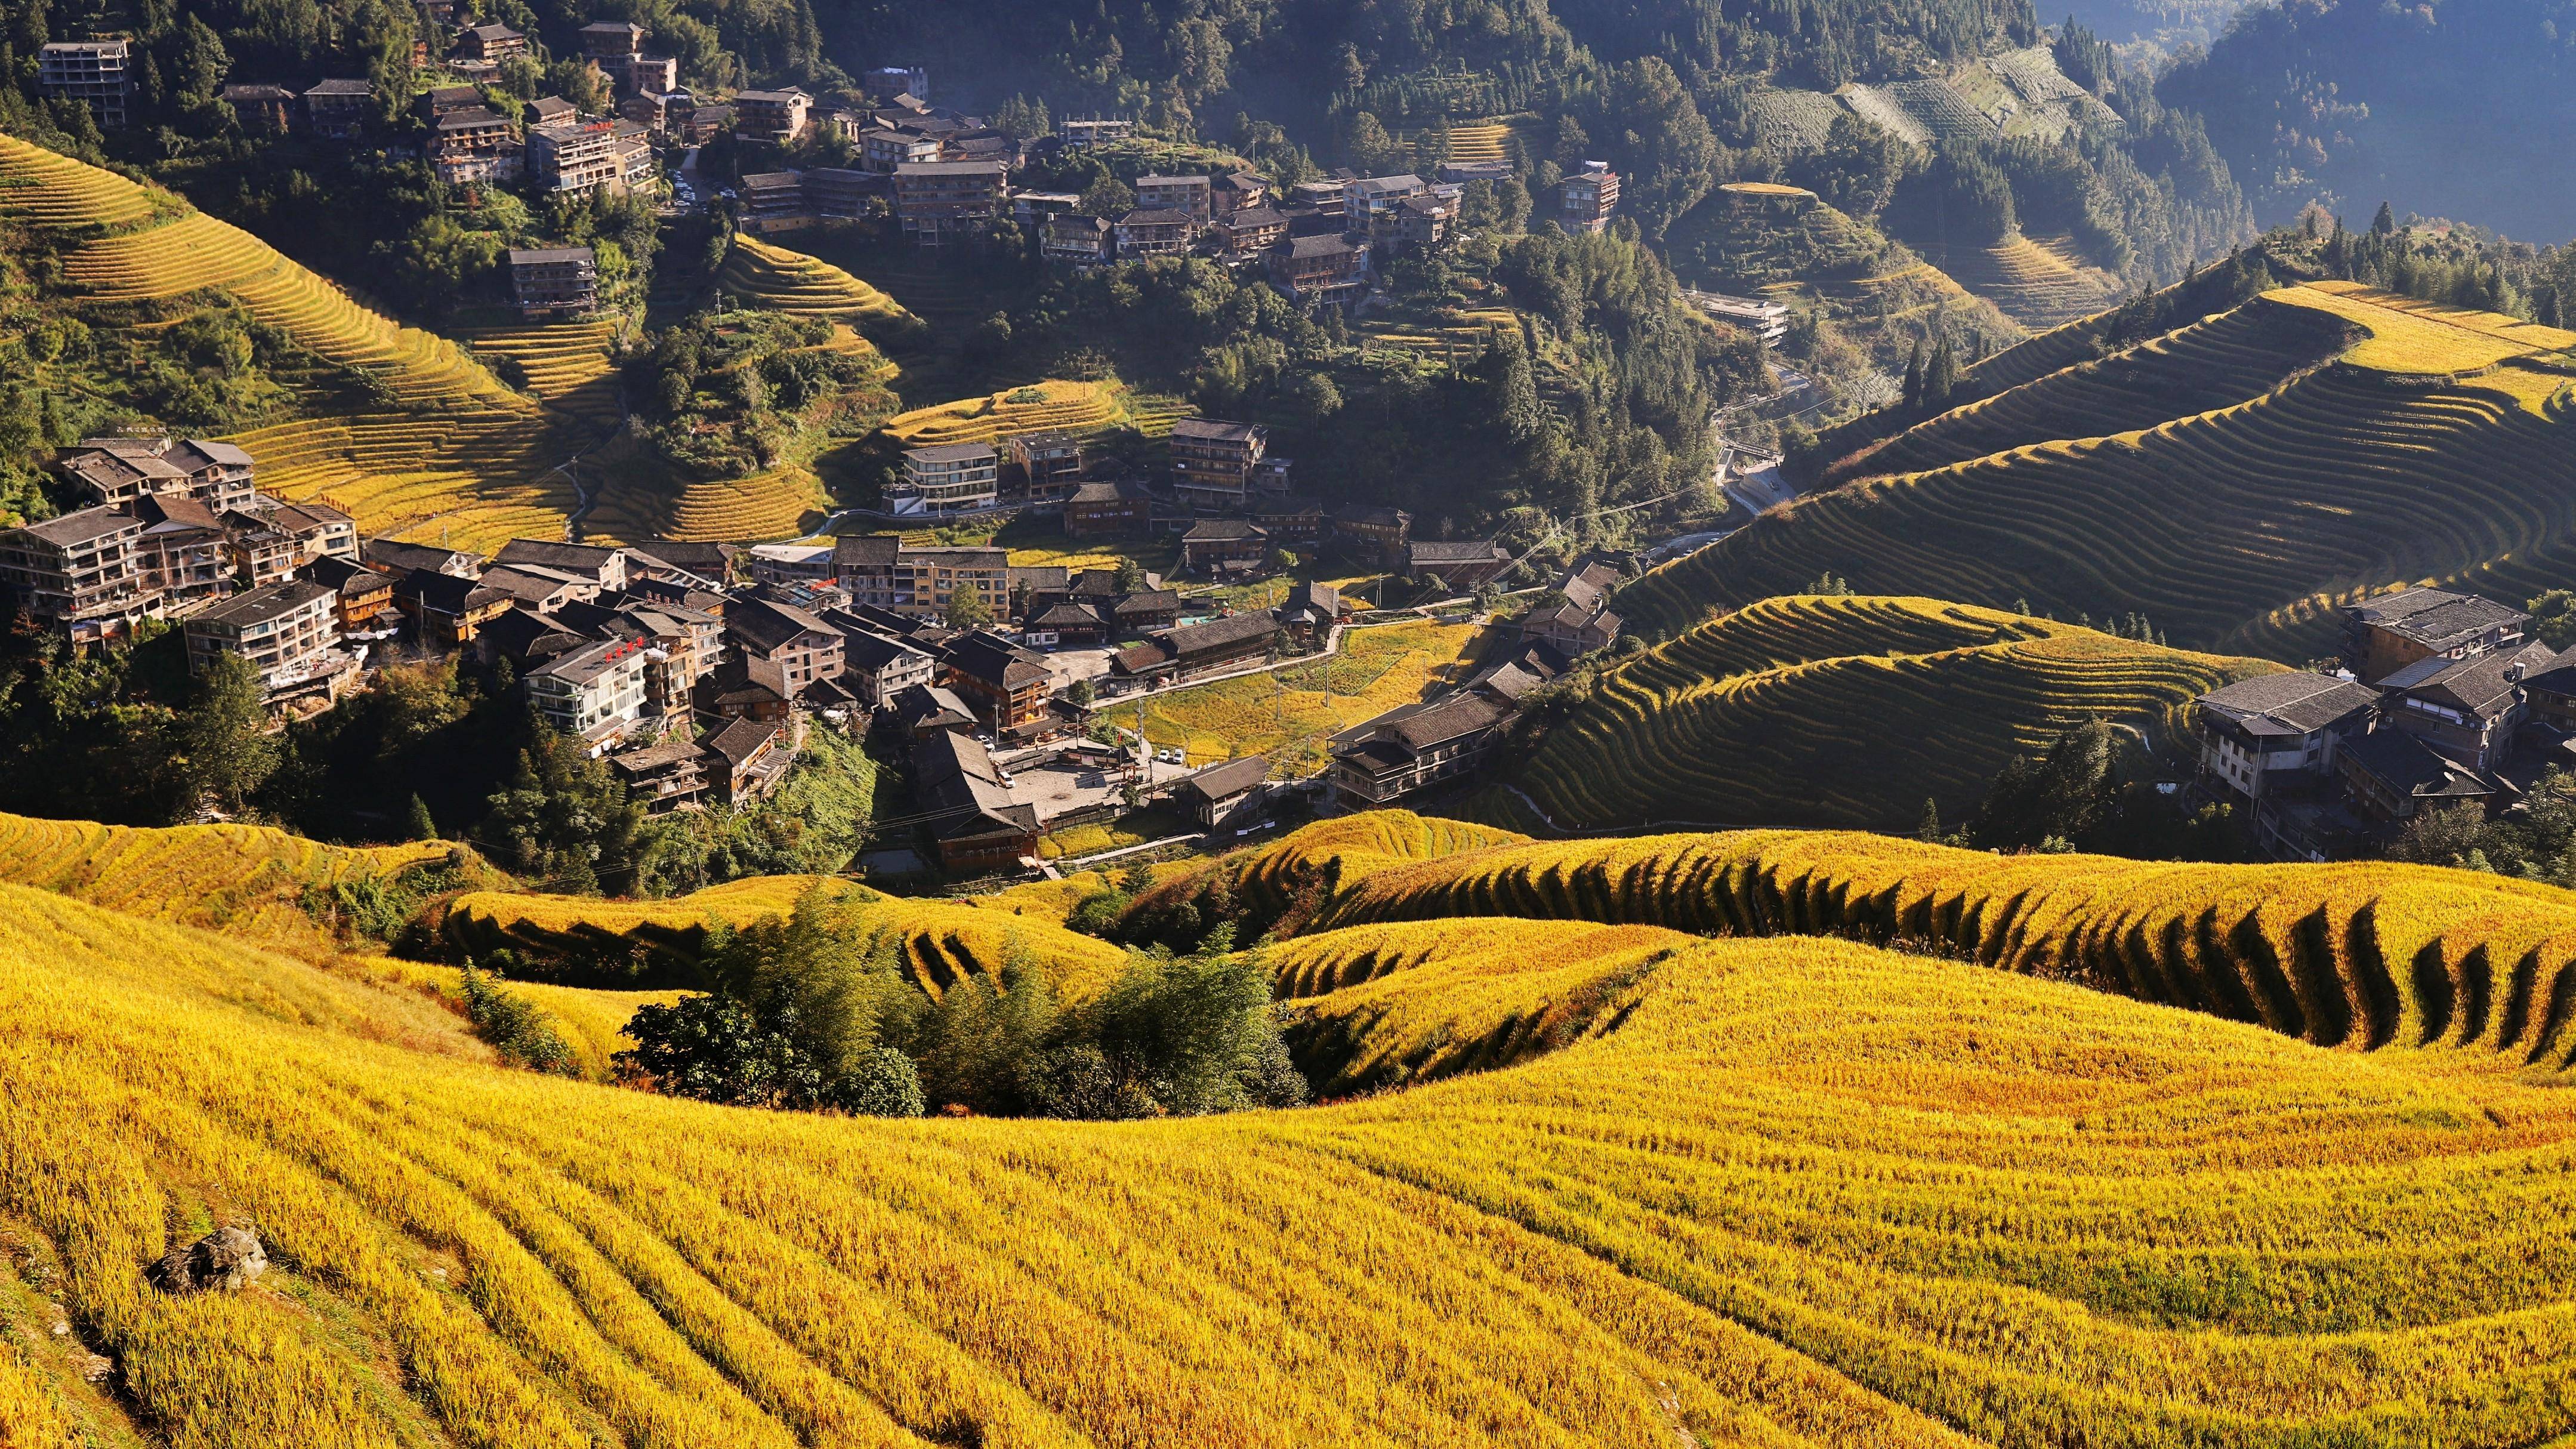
(1839, 711)
(2231, 528)
(1785, 1190)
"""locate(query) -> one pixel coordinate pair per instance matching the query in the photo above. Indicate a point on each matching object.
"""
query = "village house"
(1087, 132)
(944, 202)
(477, 144)
(879, 570)
(742, 687)
(490, 44)
(95, 73)
(446, 612)
(1147, 232)
(1364, 198)
(569, 156)
(1581, 620)
(1213, 461)
(876, 667)
(704, 122)
(1191, 650)
(1191, 196)
(260, 109)
(774, 201)
(1050, 467)
(1414, 747)
(601, 567)
(1325, 267)
(78, 574)
(1588, 198)
(339, 109)
(1238, 192)
(2391, 776)
(836, 193)
(747, 758)
(554, 281)
(535, 586)
(181, 552)
(1461, 566)
(924, 710)
(889, 149)
(667, 775)
(2468, 709)
(1224, 797)
(316, 530)
(1079, 240)
(392, 556)
(1253, 230)
(1007, 686)
(363, 599)
(595, 692)
(1115, 506)
(122, 471)
(947, 478)
(777, 118)
(1311, 611)
(974, 823)
(1372, 534)
(2388, 633)
(287, 632)
(1220, 545)
(804, 648)
(2269, 745)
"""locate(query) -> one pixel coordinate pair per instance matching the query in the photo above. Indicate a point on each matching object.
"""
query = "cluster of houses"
(2442, 700)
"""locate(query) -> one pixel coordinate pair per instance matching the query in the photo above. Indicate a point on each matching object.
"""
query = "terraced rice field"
(243, 879)
(1460, 333)
(569, 364)
(465, 458)
(2235, 528)
(2035, 285)
(790, 281)
(2214, 363)
(1846, 712)
(1073, 407)
(770, 505)
(1473, 144)
(1632, 1184)
(1291, 714)
(941, 941)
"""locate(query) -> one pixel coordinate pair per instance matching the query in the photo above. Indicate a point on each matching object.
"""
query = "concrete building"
(1192, 196)
(1213, 461)
(92, 72)
(777, 117)
(595, 692)
(122, 471)
(1588, 197)
(286, 631)
(554, 281)
(947, 479)
(475, 145)
(944, 202)
(774, 201)
(575, 158)
(1147, 232)
(78, 574)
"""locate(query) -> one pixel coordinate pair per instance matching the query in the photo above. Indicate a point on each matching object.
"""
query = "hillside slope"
(2437, 448)
(1845, 711)
(1769, 1192)
(443, 450)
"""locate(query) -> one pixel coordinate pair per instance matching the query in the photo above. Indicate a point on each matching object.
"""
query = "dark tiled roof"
(580, 558)
(742, 739)
(1453, 718)
(86, 526)
(2409, 767)
(866, 550)
(2436, 618)
(446, 593)
(962, 789)
(1215, 430)
(1223, 782)
(1147, 604)
(1435, 553)
(394, 555)
(1219, 633)
(766, 626)
(272, 601)
(996, 661)
(1223, 530)
(745, 681)
(2293, 703)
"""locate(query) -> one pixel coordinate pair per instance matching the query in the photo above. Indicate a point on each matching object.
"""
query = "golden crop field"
(2037, 286)
(1291, 714)
(1846, 711)
(1627, 1186)
(2233, 527)
(463, 458)
(942, 940)
(789, 281)
(1050, 406)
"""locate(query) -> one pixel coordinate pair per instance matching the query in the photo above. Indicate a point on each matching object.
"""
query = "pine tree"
(1940, 376)
(2385, 223)
(418, 825)
(1929, 827)
(1914, 378)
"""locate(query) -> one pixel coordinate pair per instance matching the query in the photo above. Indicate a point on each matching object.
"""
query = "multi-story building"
(1414, 747)
(777, 117)
(78, 574)
(1219, 545)
(260, 109)
(447, 612)
(1372, 533)
(2468, 710)
(941, 202)
(1085, 133)
(2392, 631)
(286, 631)
(1079, 240)
(1462, 565)
(774, 201)
(804, 648)
(608, 41)
(662, 112)
(1364, 197)
(92, 72)
(2270, 744)
(1213, 461)
(490, 44)
(575, 157)
(259, 553)
(839, 193)
(339, 110)
(1155, 233)
(1007, 686)
(123, 470)
(878, 570)
(1327, 267)
(1321, 198)
(1249, 231)
(891, 148)
(364, 598)
(1421, 224)
(637, 170)
(556, 281)
(316, 529)
(947, 479)
(1589, 196)
(181, 552)
(1240, 191)
(1115, 506)
(477, 144)
(595, 692)
(1192, 196)
(1050, 467)
(974, 821)
(659, 73)
(603, 568)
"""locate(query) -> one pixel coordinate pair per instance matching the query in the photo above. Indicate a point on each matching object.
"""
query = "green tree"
(224, 751)
(563, 819)
(2385, 222)
(417, 824)
(967, 609)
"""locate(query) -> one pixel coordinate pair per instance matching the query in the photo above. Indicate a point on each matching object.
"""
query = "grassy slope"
(1845, 711)
(455, 455)
(1760, 1191)
(2429, 452)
